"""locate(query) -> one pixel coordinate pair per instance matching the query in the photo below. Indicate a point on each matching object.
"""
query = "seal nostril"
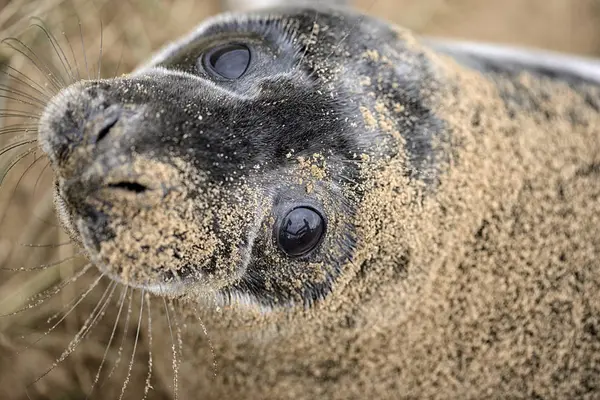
(108, 124)
(102, 121)
(129, 186)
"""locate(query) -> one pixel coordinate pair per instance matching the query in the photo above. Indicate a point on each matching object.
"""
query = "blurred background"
(131, 30)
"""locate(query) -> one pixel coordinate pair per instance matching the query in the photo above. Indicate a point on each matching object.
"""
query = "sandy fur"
(487, 287)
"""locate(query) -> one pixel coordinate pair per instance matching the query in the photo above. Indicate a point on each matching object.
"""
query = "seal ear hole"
(229, 61)
(300, 231)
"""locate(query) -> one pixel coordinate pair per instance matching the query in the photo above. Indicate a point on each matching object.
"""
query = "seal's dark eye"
(300, 231)
(229, 61)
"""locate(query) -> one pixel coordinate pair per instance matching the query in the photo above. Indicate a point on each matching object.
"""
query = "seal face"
(231, 163)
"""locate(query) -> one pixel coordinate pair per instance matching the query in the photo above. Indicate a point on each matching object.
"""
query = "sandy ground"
(132, 29)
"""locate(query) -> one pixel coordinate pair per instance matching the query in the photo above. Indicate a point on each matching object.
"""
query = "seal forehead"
(221, 20)
(287, 19)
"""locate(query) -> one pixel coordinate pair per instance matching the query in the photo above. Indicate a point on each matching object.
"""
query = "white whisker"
(121, 346)
(148, 385)
(112, 335)
(45, 295)
(89, 323)
(174, 351)
(137, 336)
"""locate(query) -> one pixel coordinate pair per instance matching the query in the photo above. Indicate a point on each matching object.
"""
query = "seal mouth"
(129, 186)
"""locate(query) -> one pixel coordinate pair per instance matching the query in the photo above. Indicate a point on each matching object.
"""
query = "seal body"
(459, 197)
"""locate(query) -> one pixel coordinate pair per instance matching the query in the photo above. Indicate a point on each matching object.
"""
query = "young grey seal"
(350, 209)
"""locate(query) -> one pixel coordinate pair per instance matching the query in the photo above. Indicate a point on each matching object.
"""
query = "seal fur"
(463, 198)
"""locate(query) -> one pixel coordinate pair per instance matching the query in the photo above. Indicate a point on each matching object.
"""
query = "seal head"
(232, 163)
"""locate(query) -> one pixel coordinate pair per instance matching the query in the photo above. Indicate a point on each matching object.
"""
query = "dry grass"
(131, 30)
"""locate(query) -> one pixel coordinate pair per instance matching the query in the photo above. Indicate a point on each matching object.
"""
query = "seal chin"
(139, 238)
(163, 282)
(164, 277)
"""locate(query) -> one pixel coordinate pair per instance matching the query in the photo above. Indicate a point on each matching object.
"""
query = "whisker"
(49, 66)
(112, 336)
(45, 246)
(44, 266)
(347, 179)
(63, 57)
(73, 56)
(28, 96)
(135, 343)
(16, 145)
(25, 128)
(46, 294)
(26, 135)
(212, 348)
(28, 82)
(45, 221)
(57, 49)
(83, 51)
(4, 171)
(32, 58)
(35, 103)
(34, 231)
(4, 174)
(148, 386)
(174, 350)
(310, 39)
(6, 113)
(359, 162)
(119, 63)
(66, 306)
(37, 181)
(178, 335)
(100, 55)
(73, 307)
(83, 331)
(122, 345)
